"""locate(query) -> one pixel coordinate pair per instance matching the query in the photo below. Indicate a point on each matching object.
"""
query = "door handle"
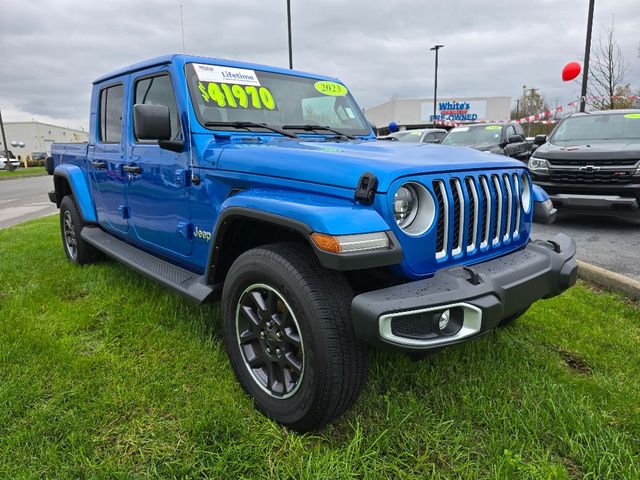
(99, 165)
(133, 169)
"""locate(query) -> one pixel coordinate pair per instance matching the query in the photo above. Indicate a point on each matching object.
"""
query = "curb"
(609, 280)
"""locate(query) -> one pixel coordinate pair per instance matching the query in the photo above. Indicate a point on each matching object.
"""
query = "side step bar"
(179, 279)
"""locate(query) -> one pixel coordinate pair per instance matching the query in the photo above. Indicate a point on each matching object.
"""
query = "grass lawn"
(104, 374)
(23, 171)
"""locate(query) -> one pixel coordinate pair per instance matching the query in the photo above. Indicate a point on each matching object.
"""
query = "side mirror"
(374, 128)
(151, 122)
(515, 139)
(540, 139)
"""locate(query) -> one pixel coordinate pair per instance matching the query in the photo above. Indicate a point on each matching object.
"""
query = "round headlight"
(405, 205)
(413, 208)
(526, 193)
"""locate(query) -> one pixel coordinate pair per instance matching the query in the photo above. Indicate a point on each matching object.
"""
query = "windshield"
(616, 126)
(412, 136)
(226, 94)
(466, 136)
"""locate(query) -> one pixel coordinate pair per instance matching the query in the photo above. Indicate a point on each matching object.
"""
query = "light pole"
(435, 82)
(587, 51)
(289, 30)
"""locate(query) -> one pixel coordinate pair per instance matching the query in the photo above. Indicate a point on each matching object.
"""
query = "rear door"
(106, 157)
(158, 194)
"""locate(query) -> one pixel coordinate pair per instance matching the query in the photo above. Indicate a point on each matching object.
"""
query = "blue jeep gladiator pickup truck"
(267, 189)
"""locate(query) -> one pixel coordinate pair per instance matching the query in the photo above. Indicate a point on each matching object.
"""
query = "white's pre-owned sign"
(459, 111)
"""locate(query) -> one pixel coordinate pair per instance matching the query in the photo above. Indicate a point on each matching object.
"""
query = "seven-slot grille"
(477, 212)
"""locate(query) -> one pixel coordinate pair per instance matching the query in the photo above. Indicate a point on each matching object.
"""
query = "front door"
(158, 193)
(106, 158)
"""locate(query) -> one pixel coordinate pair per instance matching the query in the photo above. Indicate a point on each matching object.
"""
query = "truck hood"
(341, 164)
(600, 150)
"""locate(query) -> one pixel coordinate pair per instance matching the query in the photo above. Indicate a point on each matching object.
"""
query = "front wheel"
(288, 333)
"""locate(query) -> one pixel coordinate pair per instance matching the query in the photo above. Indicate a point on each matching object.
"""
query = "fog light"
(448, 322)
(443, 321)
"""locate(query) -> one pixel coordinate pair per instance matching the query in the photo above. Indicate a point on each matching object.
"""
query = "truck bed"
(69, 153)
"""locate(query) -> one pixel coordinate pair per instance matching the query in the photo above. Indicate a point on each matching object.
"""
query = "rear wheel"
(71, 224)
(288, 333)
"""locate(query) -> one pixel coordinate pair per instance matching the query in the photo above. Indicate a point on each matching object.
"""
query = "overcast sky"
(51, 50)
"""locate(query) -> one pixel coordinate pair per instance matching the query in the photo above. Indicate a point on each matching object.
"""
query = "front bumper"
(481, 296)
(594, 204)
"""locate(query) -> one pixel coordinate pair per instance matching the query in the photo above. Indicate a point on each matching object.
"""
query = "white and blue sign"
(455, 110)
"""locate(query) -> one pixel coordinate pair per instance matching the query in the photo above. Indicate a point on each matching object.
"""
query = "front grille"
(443, 220)
(477, 212)
(599, 177)
(600, 163)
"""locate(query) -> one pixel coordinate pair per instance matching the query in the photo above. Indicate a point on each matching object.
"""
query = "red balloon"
(570, 71)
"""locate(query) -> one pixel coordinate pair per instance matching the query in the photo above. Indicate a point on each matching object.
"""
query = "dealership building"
(38, 137)
(410, 113)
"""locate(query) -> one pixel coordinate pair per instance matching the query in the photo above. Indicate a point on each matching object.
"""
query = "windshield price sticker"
(632, 115)
(331, 88)
(226, 95)
(493, 127)
(219, 74)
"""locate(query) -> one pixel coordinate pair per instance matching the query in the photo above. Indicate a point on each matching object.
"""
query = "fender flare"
(349, 261)
(74, 176)
(543, 210)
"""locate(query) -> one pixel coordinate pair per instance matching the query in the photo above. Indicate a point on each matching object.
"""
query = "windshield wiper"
(313, 128)
(249, 125)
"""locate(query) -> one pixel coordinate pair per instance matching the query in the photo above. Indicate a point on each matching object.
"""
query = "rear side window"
(159, 91)
(111, 99)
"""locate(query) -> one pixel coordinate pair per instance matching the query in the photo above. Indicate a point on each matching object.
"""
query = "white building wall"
(38, 136)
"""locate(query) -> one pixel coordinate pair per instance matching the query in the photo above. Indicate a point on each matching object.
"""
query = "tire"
(75, 248)
(317, 378)
(512, 318)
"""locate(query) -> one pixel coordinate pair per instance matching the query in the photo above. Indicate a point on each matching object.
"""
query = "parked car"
(37, 159)
(499, 138)
(14, 162)
(421, 135)
(266, 187)
(591, 163)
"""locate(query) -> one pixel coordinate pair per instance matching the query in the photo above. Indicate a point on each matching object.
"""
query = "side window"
(159, 91)
(510, 131)
(519, 130)
(111, 114)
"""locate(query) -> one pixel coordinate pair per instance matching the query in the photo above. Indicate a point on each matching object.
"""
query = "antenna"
(182, 29)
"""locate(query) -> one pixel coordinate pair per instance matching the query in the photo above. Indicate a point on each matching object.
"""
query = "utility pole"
(4, 142)
(289, 29)
(435, 82)
(587, 51)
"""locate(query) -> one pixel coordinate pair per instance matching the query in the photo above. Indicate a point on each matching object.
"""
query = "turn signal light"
(350, 243)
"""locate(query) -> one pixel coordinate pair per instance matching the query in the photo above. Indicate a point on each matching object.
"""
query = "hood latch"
(366, 190)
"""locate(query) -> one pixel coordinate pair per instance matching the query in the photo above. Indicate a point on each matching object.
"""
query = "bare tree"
(607, 72)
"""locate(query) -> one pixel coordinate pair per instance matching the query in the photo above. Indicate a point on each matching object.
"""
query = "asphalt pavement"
(606, 242)
(23, 199)
(610, 243)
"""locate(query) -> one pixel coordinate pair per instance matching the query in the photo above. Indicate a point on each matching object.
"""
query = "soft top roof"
(183, 59)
